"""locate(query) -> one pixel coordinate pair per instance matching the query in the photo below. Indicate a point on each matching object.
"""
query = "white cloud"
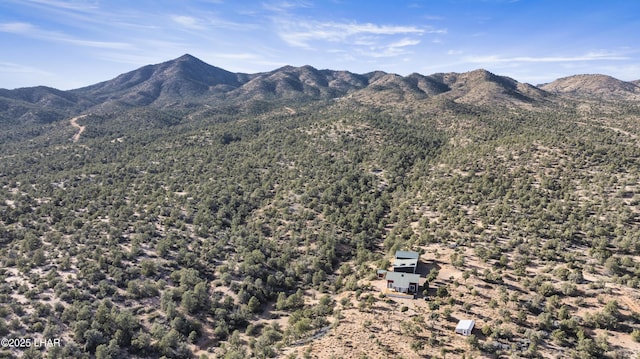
(65, 5)
(187, 22)
(32, 31)
(222, 23)
(12, 68)
(437, 31)
(361, 39)
(494, 59)
(405, 42)
(300, 34)
(209, 20)
(85, 14)
(284, 6)
(98, 44)
(16, 27)
(393, 49)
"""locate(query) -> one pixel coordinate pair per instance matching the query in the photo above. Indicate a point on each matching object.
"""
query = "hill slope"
(38, 104)
(594, 86)
(486, 88)
(248, 218)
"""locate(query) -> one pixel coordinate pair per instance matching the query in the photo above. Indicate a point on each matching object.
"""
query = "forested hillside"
(238, 231)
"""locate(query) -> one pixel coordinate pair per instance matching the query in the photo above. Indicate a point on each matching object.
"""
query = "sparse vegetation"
(247, 230)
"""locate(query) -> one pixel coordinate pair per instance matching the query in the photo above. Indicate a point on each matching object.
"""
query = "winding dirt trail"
(74, 123)
(631, 303)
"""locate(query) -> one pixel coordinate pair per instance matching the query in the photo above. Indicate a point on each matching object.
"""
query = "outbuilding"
(465, 326)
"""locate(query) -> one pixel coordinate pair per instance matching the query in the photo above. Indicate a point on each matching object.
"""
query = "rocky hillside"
(594, 87)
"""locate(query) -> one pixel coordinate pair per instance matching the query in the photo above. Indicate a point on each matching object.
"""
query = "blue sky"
(72, 43)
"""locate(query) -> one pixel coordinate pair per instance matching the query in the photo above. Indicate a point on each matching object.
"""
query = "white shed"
(465, 327)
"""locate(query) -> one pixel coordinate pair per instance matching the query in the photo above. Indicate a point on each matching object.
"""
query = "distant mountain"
(188, 80)
(300, 82)
(392, 87)
(476, 87)
(594, 86)
(483, 87)
(187, 83)
(39, 104)
(40, 95)
(183, 79)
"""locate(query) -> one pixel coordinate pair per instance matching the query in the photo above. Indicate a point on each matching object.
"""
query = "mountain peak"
(289, 68)
(187, 57)
(594, 85)
(183, 79)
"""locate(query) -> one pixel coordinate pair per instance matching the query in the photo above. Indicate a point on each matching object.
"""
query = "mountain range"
(187, 82)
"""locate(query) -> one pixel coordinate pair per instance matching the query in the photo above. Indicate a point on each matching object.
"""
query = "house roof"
(403, 263)
(465, 324)
(403, 280)
(407, 255)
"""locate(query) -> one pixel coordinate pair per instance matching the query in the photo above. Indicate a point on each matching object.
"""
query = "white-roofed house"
(403, 282)
(406, 261)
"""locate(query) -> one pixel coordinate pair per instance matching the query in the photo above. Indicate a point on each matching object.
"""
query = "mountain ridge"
(188, 81)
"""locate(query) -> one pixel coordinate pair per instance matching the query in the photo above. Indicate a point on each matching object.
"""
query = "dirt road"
(74, 123)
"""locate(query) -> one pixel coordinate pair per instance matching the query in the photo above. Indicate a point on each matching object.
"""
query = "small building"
(406, 261)
(465, 327)
(403, 282)
(381, 273)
